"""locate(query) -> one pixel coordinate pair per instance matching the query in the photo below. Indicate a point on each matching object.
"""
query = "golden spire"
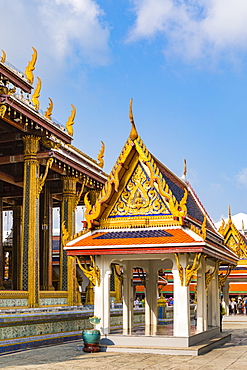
(229, 214)
(48, 111)
(70, 121)
(31, 67)
(101, 156)
(133, 132)
(3, 58)
(36, 94)
(183, 177)
(185, 168)
(242, 225)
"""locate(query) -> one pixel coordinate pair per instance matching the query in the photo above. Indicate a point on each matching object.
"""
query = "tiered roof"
(145, 208)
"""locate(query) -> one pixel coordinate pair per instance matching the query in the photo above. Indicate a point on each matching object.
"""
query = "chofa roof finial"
(183, 177)
(133, 132)
(31, 67)
(229, 213)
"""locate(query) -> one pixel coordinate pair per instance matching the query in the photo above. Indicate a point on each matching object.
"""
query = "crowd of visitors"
(238, 306)
(141, 303)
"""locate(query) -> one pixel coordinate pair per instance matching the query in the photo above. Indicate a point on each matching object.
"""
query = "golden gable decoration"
(139, 198)
(233, 238)
(146, 194)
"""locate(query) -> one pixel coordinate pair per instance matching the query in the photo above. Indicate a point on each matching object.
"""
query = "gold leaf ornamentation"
(93, 212)
(43, 177)
(3, 109)
(204, 227)
(210, 274)
(70, 122)
(36, 94)
(31, 67)
(101, 155)
(178, 209)
(180, 269)
(64, 234)
(48, 111)
(191, 270)
(222, 278)
(138, 198)
(133, 133)
(92, 272)
(3, 57)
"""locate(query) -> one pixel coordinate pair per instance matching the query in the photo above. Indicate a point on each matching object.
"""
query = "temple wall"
(19, 299)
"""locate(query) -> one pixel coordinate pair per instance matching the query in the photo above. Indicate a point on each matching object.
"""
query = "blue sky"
(183, 62)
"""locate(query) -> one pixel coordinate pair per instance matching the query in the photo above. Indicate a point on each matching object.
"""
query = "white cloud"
(193, 29)
(61, 30)
(76, 26)
(242, 177)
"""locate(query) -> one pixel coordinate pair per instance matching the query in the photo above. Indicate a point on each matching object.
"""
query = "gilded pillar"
(67, 270)
(1, 245)
(46, 239)
(118, 284)
(16, 255)
(30, 217)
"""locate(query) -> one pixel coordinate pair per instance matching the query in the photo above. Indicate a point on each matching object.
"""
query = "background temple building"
(234, 232)
(39, 170)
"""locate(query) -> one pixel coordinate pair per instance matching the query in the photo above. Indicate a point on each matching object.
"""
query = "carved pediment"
(139, 198)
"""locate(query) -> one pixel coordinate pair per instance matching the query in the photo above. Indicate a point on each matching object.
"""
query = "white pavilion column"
(226, 296)
(181, 313)
(201, 298)
(102, 294)
(210, 299)
(151, 300)
(128, 319)
(215, 303)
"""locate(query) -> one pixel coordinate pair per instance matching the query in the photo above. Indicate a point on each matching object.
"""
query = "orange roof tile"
(177, 236)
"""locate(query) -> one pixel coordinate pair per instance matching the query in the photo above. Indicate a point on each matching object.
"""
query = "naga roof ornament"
(36, 94)
(3, 57)
(31, 66)
(70, 122)
(101, 155)
(133, 132)
(48, 111)
(183, 177)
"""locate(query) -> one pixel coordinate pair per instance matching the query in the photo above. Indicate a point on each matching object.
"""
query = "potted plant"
(91, 337)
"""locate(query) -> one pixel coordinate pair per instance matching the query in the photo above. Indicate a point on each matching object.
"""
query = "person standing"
(221, 315)
(245, 306)
(233, 306)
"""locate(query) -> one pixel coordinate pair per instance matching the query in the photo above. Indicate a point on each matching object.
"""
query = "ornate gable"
(136, 193)
(233, 239)
(139, 198)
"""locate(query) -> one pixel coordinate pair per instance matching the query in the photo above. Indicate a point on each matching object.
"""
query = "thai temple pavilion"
(145, 217)
(140, 219)
(39, 170)
(235, 285)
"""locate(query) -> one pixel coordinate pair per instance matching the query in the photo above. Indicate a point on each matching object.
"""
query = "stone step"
(195, 350)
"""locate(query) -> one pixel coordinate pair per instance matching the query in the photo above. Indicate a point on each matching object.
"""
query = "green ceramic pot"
(91, 340)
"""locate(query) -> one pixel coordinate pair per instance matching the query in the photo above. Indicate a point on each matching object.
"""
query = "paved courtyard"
(231, 356)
